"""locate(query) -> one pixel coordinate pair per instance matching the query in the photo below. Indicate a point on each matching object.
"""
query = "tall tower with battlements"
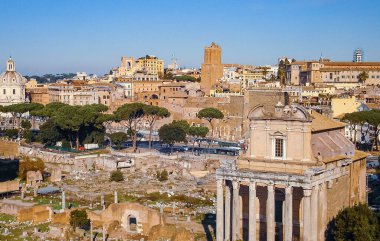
(212, 67)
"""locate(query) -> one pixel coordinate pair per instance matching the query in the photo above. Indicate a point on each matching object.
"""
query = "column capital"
(307, 192)
(329, 184)
(288, 190)
(270, 187)
(252, 185)
(235, 184)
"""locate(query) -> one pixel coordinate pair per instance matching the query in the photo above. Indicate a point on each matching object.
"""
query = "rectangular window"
(4, 92)
(279, 148)
(14, 91)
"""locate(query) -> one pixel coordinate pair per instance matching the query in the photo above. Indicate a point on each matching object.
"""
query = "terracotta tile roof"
(373, 105)
(351, 63)
(322, 123)
(359, 155)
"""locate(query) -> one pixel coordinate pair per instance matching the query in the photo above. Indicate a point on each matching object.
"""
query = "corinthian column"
(306, 215)
(235, 213)
(227, 214)
(252, 212)
(314, 214)
(288, 213)
(219, 210)
(270, 214)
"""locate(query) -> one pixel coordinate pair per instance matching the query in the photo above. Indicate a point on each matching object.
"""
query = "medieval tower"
(212, 67)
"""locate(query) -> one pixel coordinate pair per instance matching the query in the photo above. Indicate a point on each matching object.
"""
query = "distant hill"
(51, 78)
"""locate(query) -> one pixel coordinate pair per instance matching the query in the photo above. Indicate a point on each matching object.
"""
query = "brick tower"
(212, 67)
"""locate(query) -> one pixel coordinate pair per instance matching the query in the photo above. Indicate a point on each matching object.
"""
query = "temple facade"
(298, 172)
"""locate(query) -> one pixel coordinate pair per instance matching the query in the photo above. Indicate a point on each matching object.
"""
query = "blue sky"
(46, 36)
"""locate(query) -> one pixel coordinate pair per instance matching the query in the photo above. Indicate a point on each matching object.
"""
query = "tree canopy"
(210, 114)
(198, 131)
(361, 118)
(118, 138)
(363, 76)
(171, 134)
(356, 223)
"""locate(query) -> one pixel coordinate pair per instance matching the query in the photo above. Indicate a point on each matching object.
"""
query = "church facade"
(12, 85)
(298, 172)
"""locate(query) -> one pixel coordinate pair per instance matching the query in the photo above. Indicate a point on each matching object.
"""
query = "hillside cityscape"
(156, 151)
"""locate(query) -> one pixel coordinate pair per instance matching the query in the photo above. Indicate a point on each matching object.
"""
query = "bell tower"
(10, 65)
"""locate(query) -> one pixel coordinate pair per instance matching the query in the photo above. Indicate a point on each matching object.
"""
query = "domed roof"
(10, 76)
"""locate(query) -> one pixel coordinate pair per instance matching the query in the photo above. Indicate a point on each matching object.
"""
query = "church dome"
(10, 76)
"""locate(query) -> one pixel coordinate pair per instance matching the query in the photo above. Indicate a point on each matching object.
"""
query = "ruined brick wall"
(36, 214)
(8, 148)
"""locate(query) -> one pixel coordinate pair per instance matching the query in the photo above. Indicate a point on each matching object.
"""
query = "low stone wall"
(70, 162)
(12, 207)
(9, 186)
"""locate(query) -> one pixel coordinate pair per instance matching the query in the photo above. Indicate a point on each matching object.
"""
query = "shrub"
(116, 176)
(163, 176)
(26, 164)
(78, 218)
(11, 133)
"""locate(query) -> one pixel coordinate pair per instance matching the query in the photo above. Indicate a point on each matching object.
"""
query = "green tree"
(198, 131)
(116, 176)
(355, 119)
(78, 218)
(131, 115)
(185, 78)
(28, 164)
(118, 138)
(11, 133)
(152, 114)
(356, 223)
(78, 121)
(363, 76)
(171, 133)
(373, 118)
(26, 125)
(210, 114)
(17, 111)
(49, 133)
(183, 124)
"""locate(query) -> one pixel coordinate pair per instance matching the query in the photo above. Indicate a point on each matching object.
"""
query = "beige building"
(212, 68)
(336, 73)
(81, 93)
(151, 65)
(298, 172)
(344, 105)
(38, 93)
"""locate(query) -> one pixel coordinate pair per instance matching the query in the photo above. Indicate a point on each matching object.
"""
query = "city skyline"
(91, 36)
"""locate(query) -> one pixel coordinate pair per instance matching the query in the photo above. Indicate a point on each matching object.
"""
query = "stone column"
(104, 232)
(235, 213)
(323, 210)
(306, 214)
(91, 237)
(252, 212)
(63, 200)
(288, 213)
(102, 201)
(270, 214)
(115, 197)
(219, 210)
(174, 209)
(314, 214)
(227, 214)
